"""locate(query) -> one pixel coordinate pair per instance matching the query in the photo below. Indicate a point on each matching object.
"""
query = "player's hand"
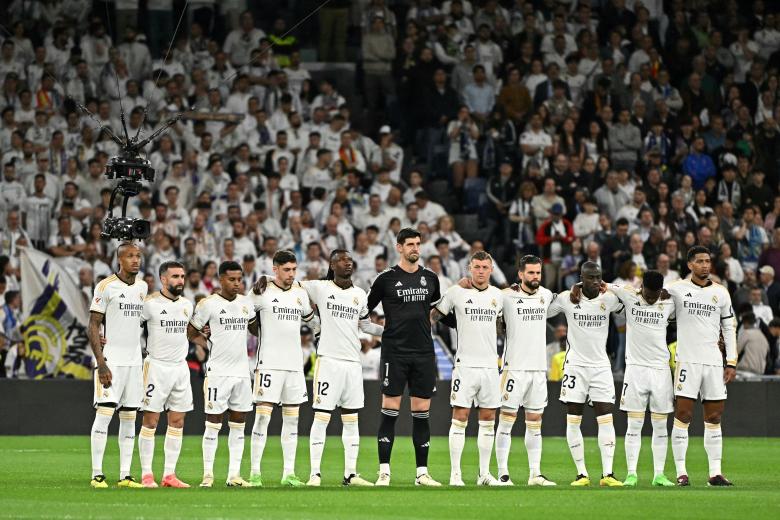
(465, 283)
(260, 285)
(102, 341)
(729, 373)
(665, 294)
(603, 287)
(575, 293)
(206, 331)
(104, 375)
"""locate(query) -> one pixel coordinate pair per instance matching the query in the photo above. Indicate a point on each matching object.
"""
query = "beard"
(176, 290)
(532, 284)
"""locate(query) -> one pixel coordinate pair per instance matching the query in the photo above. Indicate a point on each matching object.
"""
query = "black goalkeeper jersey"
(406, 299)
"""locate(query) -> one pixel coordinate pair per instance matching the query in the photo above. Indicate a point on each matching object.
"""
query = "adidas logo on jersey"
(577, 306)
(274, 301)
(689, 295)
(164, 312)
(121, 295)
(637, 303)
(222, 311)
(519, 300)
(331, 297)
(469, 301)
(398, 284)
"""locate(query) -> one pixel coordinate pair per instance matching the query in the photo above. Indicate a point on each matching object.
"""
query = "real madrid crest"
(298, 301)
(186, 314)
(714, 299)
(244, 310)
(355, 301)
(603, 307)
(493, 302)
(422, 281)
(541, 300)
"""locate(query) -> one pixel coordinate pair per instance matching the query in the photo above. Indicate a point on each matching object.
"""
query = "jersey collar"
(220, 295)
(124, 282)
(282, 289)
(709, 282)
(169, 299)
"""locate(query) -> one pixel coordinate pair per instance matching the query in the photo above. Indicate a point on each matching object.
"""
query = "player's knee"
(602, 408)
(574, 408)
(684, 416)
(487, 414)
(152, 419)
(712, 417)
(460, 414)
(532, 416)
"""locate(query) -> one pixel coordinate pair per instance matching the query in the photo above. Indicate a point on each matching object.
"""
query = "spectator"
(554, 236)
(770, 286)
(752, 347)
(625, 142)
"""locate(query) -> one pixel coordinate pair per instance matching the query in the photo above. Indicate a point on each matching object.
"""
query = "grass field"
(48, 477)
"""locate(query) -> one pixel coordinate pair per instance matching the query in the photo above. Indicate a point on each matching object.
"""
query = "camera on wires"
(129, 169)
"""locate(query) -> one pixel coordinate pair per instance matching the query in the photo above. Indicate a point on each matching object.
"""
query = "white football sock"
(713, 445)
(259, 436)
(485, 436)
(606, 442)
(172, 447)
(235, 448)
(457, 442)
(633, 442)
(209, 446)
(504, 442)
(533, 446)
(99, 436)
(350, 437)
(146, 449)
(317, 440)
(679, 445)
(289, 438)
(576, 443)
(126, 442)
(660, 442)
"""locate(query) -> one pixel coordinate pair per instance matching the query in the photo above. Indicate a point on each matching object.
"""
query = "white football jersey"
(281, 313)
(166, 323)
(702, 312)
(525, 317)
(229, 321)
(340, 313)
(645, 328)
(588, 323)
(477, 312)
(121, 305)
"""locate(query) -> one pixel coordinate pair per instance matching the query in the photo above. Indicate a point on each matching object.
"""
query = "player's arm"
(500, 327)
(377, 293)
(556, 306)
(93, 333)
(445, 305)
(369, 327)
(196, 328)
(728, 329)
(254, 327)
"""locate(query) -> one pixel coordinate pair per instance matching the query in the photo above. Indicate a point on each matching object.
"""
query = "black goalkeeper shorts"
(418, 373)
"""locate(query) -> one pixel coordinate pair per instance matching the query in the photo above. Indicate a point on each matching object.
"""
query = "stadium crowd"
(617, 131)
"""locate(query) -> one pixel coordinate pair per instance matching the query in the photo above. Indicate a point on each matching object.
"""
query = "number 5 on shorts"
(681, 377)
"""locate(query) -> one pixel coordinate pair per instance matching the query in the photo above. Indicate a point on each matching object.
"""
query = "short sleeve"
(726, 311)
(100, 299)
(200, 317)
(312, 288)
(447, 302)
(306, 310)
(615, 304)
(376, 293)
(364, 312)
(146, 313)
(556, 305)
(436, 295)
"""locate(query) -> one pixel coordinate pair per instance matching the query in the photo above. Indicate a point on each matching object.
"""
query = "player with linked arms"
(166, 374)
(227, 386)
(475, 377)
(647, 381)
(338, 378)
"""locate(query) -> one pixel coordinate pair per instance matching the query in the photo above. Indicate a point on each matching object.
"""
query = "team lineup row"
(277, 305)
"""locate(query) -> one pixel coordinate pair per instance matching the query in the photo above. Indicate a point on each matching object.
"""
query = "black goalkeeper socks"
(386, 435)
(421, 437)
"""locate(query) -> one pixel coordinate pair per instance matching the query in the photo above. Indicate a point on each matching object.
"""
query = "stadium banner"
(55, 315)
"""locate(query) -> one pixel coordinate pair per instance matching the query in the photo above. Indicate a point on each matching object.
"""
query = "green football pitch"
(48, 477)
